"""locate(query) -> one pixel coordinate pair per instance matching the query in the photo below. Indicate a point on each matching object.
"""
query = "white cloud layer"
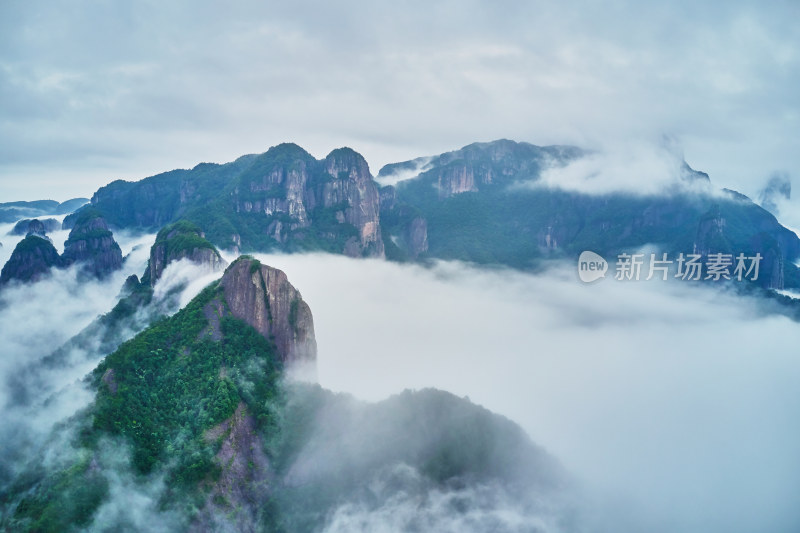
(636, 168)
(675, 403)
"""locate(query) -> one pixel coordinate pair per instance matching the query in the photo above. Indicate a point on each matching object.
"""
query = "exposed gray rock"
(182, 240)
(92, 244)
(263, 297)
(32, 258)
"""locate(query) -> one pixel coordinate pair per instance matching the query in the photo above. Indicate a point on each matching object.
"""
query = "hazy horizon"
(95, 92)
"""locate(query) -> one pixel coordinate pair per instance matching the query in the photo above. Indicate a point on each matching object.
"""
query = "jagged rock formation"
(244, 475)
(282, 199)
(182, 240)
(303, 200)
(263, 297)
(416, 237)
(35, 226)
(32, 258)
(478, 204)
(355, 194)
(92, 244)
(480, 164)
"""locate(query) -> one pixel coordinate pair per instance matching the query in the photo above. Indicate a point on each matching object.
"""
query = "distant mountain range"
(190, 409)
(477, 204)
(13, 211)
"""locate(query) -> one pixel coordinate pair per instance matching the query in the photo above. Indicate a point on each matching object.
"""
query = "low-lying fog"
(676, 406)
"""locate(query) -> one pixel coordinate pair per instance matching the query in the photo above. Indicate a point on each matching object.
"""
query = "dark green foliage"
(68, 498)
(160, 393)
(182, 236)
(34, 244)
(173, 380)
(86, 214)
(213, 196)
(32, 257)
(128, 305)
(507, 226)
(447, 440)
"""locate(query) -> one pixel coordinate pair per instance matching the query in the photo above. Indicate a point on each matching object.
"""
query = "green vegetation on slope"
(160, 392)
(182, 236)
(175, 379)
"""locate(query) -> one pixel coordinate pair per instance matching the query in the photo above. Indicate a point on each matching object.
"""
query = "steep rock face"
(388, 197)
(417, 237)
(710, 234)
(481, 164)
(263, 297)
(353, 190)
(35, 226)
(775, 249)
(243, 479)
(91, 242)
(32, 258)
(182, 240)
(298, 202)
(460, 178)
(277, 187)
(283, 198)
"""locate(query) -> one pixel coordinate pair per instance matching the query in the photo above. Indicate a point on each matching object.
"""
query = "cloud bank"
(39, 387)
(674, 405)
(637, 168)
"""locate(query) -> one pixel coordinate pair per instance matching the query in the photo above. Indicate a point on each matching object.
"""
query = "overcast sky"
(92, 91)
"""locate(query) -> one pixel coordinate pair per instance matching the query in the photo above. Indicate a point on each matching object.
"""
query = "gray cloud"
(96, 91)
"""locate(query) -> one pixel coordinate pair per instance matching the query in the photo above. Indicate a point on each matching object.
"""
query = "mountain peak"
(288, 150)
(91, 242)
(262, 297)
(182, 240)
(32, 258)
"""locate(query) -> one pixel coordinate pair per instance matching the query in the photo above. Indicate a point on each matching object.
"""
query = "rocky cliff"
(182, 240)
(33, 257)
(718, 231)
(263, 297)
(282, 199)
(478, 165)
(298, 202)
(353, 193)
(92, 244)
